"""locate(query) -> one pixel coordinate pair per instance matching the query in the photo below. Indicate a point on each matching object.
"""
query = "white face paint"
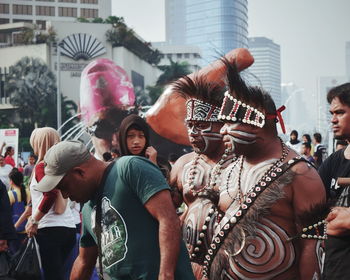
(202, 136)
(233, 135)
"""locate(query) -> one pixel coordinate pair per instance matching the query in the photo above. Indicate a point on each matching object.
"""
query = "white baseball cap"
(59, 159)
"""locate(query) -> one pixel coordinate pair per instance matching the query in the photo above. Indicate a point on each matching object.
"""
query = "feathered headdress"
(247, 104)
(203, 99)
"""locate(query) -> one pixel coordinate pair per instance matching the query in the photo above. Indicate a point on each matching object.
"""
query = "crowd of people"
(242, 205)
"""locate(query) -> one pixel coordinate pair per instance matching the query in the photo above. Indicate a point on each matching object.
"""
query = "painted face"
(238, 134)
(135, 141)
(340, 119)
(204, 136)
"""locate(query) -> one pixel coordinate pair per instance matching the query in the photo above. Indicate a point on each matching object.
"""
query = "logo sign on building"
(10, 137)
(81, 46)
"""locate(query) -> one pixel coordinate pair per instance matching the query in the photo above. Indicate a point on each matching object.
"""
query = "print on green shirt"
(114, 234)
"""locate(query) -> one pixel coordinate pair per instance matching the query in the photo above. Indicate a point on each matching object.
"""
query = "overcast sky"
(311, 33)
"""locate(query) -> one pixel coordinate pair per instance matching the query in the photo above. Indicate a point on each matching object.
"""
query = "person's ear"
(79, 171)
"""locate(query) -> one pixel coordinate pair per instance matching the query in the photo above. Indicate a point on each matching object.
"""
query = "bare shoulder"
(307, 186)
(179, 164)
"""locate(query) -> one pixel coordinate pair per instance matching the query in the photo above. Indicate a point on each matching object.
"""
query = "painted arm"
(161, 208)
(84, 263)
(308, 191)
(170, 108)
(176, 189)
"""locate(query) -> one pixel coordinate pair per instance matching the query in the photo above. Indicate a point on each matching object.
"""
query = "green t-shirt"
(129, 237)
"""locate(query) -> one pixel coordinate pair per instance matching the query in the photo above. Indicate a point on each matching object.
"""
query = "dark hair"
(164, 167)
(318, 137)
(342, 92)
(132, 122)
(294, 132)
(251, 95)
(307, 144)
(308, 137)
(341, 142)
(115, 151)
(198, 87)
(17, 178)
(8, 150)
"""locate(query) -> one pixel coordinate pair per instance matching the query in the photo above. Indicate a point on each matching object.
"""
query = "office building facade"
(40, 11)
(216, 26)
(266, 69)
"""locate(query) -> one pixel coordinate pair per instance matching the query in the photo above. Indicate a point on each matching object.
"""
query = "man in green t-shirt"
(140, 231)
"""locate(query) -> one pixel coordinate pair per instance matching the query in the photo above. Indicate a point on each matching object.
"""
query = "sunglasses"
(102, 129)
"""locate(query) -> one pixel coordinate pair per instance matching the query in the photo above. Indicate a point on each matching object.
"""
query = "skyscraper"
(347, 59)
(216, 26)
(266, 66)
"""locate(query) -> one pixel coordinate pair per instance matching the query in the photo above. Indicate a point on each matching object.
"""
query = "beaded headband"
(198, 110)
(237, 111)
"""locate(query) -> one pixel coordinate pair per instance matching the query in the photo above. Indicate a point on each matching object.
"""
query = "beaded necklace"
(240, 197)
(213, 176)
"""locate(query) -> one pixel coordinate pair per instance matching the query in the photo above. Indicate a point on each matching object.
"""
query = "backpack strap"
(15, 196)
(98, 227)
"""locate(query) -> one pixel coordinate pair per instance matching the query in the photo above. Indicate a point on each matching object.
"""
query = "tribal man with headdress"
(265, 196)
(197, 175)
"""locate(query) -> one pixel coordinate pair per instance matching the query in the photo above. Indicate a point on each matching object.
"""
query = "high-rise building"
(266, 68)
(40, 11)
(216, 26)
(347, 59)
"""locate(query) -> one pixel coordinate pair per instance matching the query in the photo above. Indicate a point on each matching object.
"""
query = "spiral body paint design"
(264, 256)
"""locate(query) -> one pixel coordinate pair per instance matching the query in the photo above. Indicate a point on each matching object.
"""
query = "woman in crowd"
(10, 151)
(134, 138)
(52, 221)
(19, 197)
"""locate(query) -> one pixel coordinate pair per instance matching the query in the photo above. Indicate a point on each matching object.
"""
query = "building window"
(179, 55)
(187, 55)
(168, 55)
(22, 20)
(45, 11)
(4, 20)
(4, 8)
(89, 1)
(89, 13)
(68, 1)
(3, 38)
(22, 9)
(41, 24)
(67, 12)
(45, 0)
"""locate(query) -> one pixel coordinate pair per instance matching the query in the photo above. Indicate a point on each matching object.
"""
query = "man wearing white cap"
(128, 219)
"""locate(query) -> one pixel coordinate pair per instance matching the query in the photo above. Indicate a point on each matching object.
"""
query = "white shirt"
(4, 175)
(51, 219)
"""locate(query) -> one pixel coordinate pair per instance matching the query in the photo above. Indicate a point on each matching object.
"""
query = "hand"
(31, 228)
(338, 221)
(3, 245)
(151, 154)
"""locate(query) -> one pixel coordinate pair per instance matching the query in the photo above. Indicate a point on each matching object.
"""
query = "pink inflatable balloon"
(104, 85)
